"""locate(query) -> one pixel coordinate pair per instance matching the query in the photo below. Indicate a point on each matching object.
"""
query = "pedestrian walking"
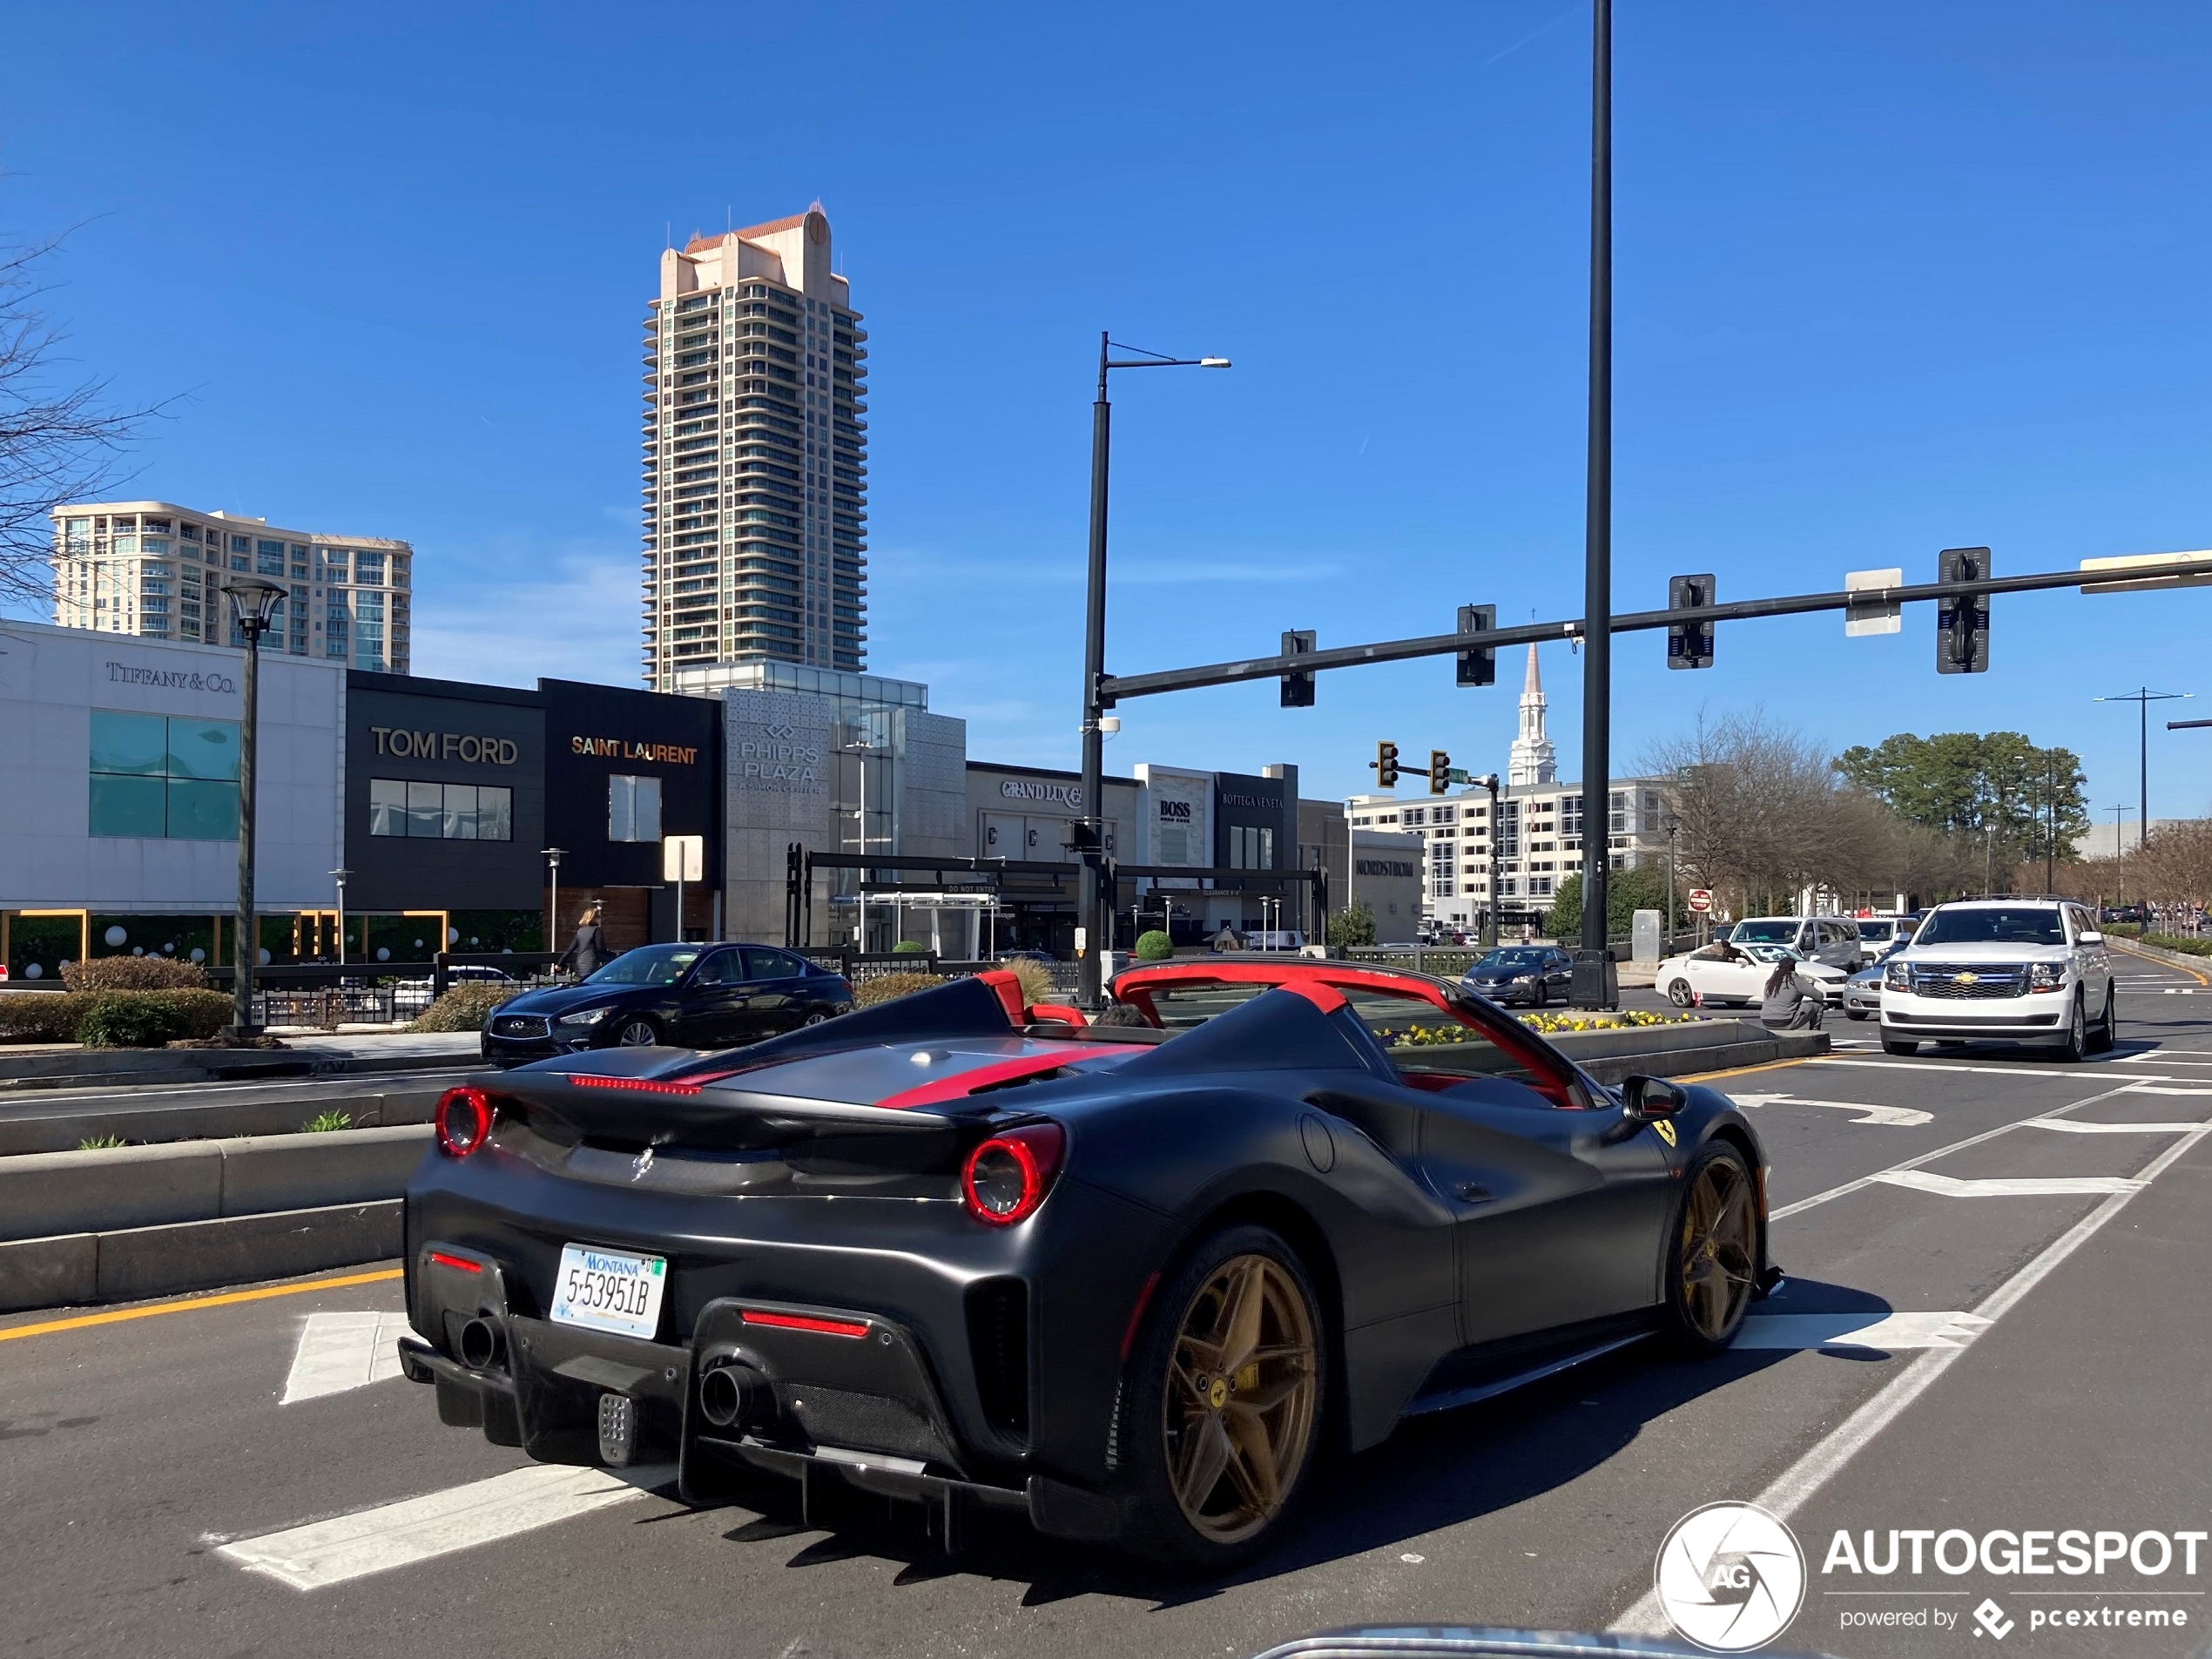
(587, 951)
(1792, 1002)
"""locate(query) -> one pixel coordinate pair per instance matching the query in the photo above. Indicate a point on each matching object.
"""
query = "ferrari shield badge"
(1666, 1130)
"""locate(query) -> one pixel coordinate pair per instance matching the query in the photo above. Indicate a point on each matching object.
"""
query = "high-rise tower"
(755, 453)
(1534, 760)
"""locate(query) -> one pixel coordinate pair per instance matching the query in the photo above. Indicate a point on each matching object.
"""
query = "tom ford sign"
(445, 746)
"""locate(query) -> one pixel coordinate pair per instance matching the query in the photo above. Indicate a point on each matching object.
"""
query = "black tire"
(1712, 1250)
(1165, 1404)
(2106, 1035)
(1541, 997)
(1898, 1045)
(628, 1033)
(2075, 1046)
(1854, 1013)
(815, 1016)
(1680, 994)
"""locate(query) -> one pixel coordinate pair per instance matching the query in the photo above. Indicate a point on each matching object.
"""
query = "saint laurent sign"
(671, 754)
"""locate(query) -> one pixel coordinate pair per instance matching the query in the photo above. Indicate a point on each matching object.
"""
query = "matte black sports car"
(1125, 1278)
(691, 997)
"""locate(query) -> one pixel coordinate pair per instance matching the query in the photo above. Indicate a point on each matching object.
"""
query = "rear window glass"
(1782, 930)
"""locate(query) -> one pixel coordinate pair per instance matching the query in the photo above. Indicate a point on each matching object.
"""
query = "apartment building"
(755, 455)
(156, 570)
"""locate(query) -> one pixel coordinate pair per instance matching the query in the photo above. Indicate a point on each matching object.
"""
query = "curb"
(59, 1126)
(76, 1269)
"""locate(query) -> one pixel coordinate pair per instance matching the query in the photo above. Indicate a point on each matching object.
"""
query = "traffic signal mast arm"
(2175, 572)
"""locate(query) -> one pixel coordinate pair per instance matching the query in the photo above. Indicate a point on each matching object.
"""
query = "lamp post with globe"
(254, 603)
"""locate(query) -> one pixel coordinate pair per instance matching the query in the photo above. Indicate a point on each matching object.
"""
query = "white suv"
(2014, 970)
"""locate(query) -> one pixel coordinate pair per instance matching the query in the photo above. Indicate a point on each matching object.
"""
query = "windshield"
(653, 965)
(1769, 953)
(1779, 930)
(2035, 925)
(1510, 958)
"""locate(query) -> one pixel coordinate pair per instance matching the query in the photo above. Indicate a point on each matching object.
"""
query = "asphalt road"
(1994, 1322)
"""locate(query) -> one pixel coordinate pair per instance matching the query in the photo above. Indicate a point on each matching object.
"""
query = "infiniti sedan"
(677, 996)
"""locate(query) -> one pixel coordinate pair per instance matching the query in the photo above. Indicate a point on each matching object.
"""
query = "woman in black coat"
(588, 952)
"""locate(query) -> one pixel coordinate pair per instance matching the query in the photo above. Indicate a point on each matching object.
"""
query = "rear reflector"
(439, 1258)
(643, 1085)
(802, 1322)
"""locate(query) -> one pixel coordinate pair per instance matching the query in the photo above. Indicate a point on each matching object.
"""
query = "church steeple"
(1533, 760)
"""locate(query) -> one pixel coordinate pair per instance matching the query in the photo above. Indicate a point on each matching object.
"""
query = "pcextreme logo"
(2093, 1579)
(1730, 1577)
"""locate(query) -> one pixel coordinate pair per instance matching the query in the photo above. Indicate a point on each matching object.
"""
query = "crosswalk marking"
(1890, 1331)
(2155, 1087)
(339, 1351)
(1901, 1116)
(2075, 1126)
(2036, 1186)
(398, 1534)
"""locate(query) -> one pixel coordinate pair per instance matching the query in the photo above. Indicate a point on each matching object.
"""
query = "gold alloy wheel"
(1719, 1249)
(1237, 1414)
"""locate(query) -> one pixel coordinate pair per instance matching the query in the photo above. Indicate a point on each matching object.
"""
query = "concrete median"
(77, 1269)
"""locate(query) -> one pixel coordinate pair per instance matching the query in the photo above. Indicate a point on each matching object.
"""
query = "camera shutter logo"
(1730, 1577)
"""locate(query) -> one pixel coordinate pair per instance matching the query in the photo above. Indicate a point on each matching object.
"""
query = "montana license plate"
(603, 1289)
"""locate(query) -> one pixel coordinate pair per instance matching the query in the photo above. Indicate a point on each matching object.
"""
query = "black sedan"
(1529, 975)
(684, 996)
(1131, 1281)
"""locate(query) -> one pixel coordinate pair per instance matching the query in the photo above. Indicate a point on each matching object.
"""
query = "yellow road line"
(2156, 961)
(1738, 1071)
(197, 1304)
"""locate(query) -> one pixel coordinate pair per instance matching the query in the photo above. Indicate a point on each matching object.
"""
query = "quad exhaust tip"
(732, 1395)
(482, 1343)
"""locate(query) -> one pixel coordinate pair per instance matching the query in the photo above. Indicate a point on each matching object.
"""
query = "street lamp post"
(339, 876)
(254, 603)
(1489, 781)
(1092, 911)
(2142, 699)
(1674, 828)
(553, 920)
(1593, 986)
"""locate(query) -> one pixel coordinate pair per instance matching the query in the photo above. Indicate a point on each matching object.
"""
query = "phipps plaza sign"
(776, 759)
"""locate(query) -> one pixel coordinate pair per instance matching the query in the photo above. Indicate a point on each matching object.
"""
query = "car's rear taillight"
(463, 1120)
(1006, 1177)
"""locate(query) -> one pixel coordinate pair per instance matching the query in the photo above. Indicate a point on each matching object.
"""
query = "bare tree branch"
(60, 440)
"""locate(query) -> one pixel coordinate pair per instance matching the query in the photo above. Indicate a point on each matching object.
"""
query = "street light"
(2142, 699)
(553, 921)
(254, 603)
(1489, 781)
(1092, 911)
(339, 876)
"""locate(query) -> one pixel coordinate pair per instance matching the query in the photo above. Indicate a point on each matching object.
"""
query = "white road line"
(339, 1351)
(398, 1534)
(2075, 1126)
(1894, 1331)
(1826, 1458)
(2152, 1087)
(2046, 1074)
(1903, 1116)
(1849, 1187)
(2037, 1186)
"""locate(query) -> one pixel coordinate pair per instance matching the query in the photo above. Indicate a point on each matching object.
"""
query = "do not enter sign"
(1700, 900)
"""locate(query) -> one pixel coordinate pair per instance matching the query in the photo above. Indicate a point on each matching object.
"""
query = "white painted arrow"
(340, 1351)
(1901, 1116)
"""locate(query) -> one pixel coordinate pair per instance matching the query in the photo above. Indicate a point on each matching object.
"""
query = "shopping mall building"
(832, 807)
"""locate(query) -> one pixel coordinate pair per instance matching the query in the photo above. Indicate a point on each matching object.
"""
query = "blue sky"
(1891, 278)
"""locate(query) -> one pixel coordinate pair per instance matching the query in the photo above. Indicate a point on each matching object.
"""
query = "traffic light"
(1962, 622)
(1689, 644)
(1479, 666)
(1298, 688)
(1385, 765)
(1439, 772)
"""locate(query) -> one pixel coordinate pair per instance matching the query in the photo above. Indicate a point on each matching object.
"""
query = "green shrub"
(1033, 977)
(2125, 929)
(149, 1019)
(465, 1007)
(325, 1122)
(883, 988)
(1154, 947)
(2181, 943)
(910, 947)
(41, 1016)
(100, 1143)
(134, 973)
(1354, 925)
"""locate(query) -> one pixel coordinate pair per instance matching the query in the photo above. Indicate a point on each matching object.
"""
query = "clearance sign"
(670, 754)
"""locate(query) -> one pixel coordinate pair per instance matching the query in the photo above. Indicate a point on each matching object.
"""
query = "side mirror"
(2089, 939)
(1649, 1098)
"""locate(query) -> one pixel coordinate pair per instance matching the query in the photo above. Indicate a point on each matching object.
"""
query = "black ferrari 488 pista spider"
(1129, 1276)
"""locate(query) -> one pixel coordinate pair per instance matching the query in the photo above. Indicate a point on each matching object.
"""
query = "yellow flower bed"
(1424, 1036)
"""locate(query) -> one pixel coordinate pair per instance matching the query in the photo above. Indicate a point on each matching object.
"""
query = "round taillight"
(463, 1120)
(1006, 1178)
